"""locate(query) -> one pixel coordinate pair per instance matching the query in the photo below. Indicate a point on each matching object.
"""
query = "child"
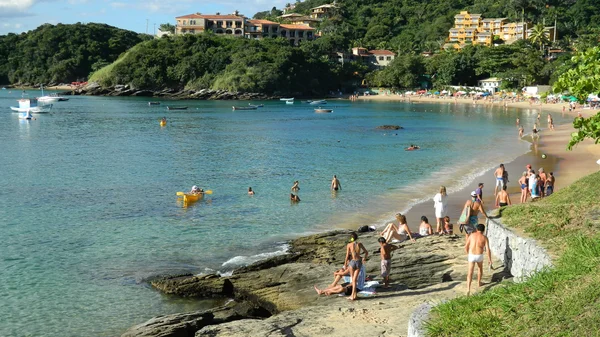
(448, 227)
(386, 260)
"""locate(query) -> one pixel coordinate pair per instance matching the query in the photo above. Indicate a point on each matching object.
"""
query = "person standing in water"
(335, 183)
(250, 191)
(476, 245)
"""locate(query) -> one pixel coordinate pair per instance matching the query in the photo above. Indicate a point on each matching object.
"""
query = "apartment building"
(473, 29)
(323, 11)
(239, 26)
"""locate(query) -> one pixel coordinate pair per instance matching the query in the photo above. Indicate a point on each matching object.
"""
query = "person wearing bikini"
(354, 261)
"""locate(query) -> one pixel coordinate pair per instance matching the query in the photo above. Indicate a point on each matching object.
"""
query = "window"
(389, 58)
(292, 33)
(238, 24)
(184, 22)
(283, 33)
(300, 34)
(274, 29)
(229, 24)
(381, 58)
(309, 35)
(219, 24)
(192, 22)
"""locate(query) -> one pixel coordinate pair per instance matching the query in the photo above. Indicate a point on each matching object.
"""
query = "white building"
(491, 84)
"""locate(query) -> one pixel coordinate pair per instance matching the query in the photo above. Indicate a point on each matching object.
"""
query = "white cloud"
(118, 5)
(15, 7)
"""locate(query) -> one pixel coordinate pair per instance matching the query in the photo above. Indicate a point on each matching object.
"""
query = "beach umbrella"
(436, 93)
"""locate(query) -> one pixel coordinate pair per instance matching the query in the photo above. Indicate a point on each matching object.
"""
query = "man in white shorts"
(476, 244)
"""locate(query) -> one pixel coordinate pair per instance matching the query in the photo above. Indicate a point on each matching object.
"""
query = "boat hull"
(191, 197)
(321, 111)
(244, 108)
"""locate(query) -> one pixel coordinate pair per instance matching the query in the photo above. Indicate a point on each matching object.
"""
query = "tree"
(581, 80)
(538, 36)
(167, 27)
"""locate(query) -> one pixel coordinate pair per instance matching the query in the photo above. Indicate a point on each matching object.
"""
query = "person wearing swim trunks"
(386, 260)
(354, 261)
(550, 184)
(474, 207)
(335, 184)
(476, 245)
(503, 199)
(499, 175)
(542, 182)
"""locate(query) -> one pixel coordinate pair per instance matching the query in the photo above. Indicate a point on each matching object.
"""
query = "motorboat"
(289, 102)
(286, 99)
(177, 108)
(47, 99)
(153, 103)
(256, 105)
(322, 102)
(319, 110)
(31, 105)
(251, 107)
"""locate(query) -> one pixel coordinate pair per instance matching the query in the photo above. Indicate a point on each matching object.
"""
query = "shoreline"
(568, 167)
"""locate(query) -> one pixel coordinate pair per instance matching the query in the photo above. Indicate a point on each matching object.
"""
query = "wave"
(242, 260)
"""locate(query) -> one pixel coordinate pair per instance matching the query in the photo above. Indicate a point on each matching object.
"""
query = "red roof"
(297, 27)
(210, 17)
(382, 52)
(262, 22)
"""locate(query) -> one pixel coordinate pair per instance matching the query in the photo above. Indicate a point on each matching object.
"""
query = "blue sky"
(18, 16)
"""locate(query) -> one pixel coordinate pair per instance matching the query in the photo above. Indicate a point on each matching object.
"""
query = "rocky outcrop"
(521, 256)
(390, 127)
(186, 325)
(417, 319)
(95, 89)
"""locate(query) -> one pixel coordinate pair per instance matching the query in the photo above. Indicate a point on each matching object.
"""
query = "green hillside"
(61, 53)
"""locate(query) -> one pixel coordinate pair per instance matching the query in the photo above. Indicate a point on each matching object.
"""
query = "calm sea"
(88, 206)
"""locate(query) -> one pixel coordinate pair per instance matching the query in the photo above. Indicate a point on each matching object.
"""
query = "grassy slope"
(564, 301)
(104, 74)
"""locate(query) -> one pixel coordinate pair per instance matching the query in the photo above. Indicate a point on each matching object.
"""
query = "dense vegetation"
(563, 301)
(234, 64)
(61, 53)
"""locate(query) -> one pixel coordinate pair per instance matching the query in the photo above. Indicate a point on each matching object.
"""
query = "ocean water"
(88, 206)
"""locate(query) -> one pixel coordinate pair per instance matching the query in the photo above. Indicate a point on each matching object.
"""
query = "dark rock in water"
(186, 325)
(390, 127)
(143, 93)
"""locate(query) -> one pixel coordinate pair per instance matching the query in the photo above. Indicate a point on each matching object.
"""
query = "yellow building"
(323, 11)
(473, 29)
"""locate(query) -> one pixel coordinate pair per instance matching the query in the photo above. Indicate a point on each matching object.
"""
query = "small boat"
(31, 105)
(317, 102)
(286, 99)
(153, 103)
(62, 99)
(176, 108)
(187, 197)
(256, 105)
(252, 107)
(319, 110)
(289, 102)
(48, 98)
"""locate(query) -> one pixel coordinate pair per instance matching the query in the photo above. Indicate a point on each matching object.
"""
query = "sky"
(141, 16)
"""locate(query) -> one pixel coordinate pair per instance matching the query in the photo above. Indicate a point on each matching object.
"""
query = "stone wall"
(521, 256)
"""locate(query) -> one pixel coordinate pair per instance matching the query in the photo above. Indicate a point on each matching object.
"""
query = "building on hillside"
(374, 58)
(232, 24)
(239, 26)
(289, 8)
(290, 16)
(323, 11)
(491, 84)
(304, 20)
(473, 29)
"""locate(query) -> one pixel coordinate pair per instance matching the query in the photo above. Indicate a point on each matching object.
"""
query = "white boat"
(289, 102)
(50, 98)
(319, 110)
(286, 99)
(31, 105)
(318, 102)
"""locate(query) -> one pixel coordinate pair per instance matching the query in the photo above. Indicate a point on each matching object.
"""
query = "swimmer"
(250, 191)
(295, 187)
(335, 183)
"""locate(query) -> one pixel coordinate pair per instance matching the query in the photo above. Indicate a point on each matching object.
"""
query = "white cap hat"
(194, 187)
(473, 194)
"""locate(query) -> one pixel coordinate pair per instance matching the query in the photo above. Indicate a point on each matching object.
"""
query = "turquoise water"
(88, 209)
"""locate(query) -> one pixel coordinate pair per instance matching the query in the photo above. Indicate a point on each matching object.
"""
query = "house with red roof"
(377, 58)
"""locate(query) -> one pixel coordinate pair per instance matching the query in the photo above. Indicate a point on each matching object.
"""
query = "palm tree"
(538, 36)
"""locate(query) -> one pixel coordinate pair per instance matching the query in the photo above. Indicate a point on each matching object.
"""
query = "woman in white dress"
(440, 203)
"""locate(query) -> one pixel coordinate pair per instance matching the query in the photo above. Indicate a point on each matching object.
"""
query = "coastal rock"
(186, 325)
(390, 127)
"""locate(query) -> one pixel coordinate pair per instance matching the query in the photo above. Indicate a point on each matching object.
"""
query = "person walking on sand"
(386, 260)
(400, 233)
(499, 175)
(471, 210)
(440, 204)
(335, 183)
(295, 187)
(503, 199)
(354, 260)
(479, 191)
(476, 245)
